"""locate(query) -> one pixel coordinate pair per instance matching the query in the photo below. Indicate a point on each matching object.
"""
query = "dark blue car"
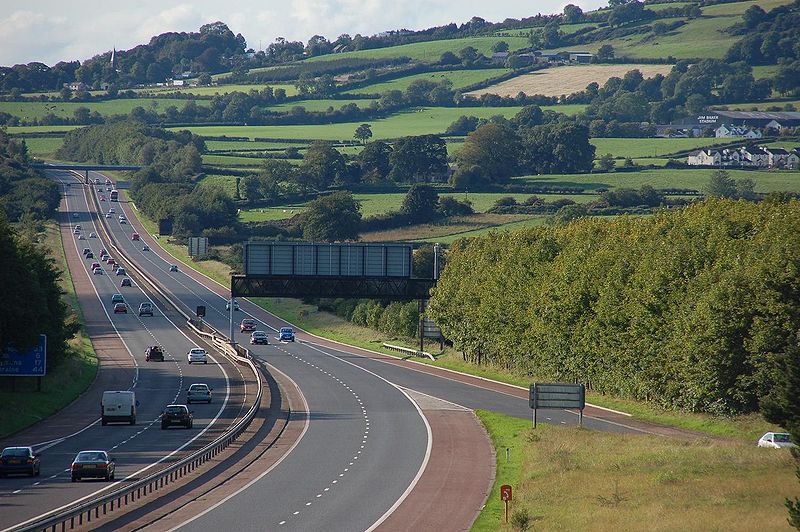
(286, 334)
(19, 460)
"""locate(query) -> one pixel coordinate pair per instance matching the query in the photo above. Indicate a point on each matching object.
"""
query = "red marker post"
(505, 496)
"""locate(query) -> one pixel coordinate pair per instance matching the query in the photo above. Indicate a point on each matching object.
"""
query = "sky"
(49, 31)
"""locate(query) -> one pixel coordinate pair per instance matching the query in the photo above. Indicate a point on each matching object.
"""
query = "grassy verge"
(566, 478)
(63, 383)
(743, 428)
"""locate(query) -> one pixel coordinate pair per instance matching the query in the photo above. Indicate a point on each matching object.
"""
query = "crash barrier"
(82, 515)
(409, 351)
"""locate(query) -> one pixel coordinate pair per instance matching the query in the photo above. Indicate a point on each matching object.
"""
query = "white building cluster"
(747, 156)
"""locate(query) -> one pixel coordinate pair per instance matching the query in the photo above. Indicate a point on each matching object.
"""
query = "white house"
(704, 157)
(777, 157)
(755, 156)
(793, 160)
(725, 131)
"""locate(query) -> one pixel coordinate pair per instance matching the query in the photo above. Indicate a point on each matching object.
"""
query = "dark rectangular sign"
(32, 363)
(302, 259)
(552, 395)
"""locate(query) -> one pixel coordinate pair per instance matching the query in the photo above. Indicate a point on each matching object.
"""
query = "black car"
(90, 255)
(176, 415)
(93, 464)
(154, 352)
(15, 460)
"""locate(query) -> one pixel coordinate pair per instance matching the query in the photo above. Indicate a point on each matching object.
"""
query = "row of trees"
(24, 194)
(694, 309)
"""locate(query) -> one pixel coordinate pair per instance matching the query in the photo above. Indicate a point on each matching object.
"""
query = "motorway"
(138, 449)
(365, 442)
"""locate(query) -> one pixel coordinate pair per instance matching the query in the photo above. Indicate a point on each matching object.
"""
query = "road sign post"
(505, 496)
(557, 395)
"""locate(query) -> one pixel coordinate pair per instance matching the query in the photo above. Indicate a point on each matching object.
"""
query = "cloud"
(55, 30)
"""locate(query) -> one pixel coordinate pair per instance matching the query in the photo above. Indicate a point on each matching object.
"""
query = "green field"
(651, 147)
(459, 78)
(225, 182)
(765, 71)
(761, 106)
(290, 89)
(18, 130)
(216, 145)
(765, 180)
(319, 105)
(429, 51)
(231, 160)
(31, 110)
(43, 146)
(421, 121)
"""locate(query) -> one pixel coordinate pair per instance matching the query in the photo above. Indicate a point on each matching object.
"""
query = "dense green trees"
(490, 153)
(690, 309)
(332, 218)
(32, 297)
(419, 159)
(23, 192)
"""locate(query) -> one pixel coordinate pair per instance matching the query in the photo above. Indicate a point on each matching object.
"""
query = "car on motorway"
(198, 392)
(123, 221)
(235, 305)
(120, 271)
(90, 255)
(102, 197)
(247, 325)
(259, 338)
(117, 298)
(134, 236)
(112, 211)
(96, 180)
(97, 271)
(76, 231)
(109, 189)
(145, 248)
(103, 251)
(111, 262)
(93, 464)
(92, 235)
(118, 405)
(286, 334)
(108, 215)
(154, 352)
(145, 309)
(120, 308)
(125, 282)
(197, 354)
(104, 257)
(19, 460)
(95, 265)
(776, 440)
(86, 250)
(81, 237)
(108, 182)
(173, 267)
(177, 415)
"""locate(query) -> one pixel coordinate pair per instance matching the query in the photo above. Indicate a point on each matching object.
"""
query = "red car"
(247, 325)
(95, 265)
(120, 308)
(134, 236)
(110, 261)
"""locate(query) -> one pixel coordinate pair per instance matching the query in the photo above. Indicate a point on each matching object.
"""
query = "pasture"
(459, 79)
(556, 81)
(37, 110)
(319, 105)
(650, 147)
(211, 90)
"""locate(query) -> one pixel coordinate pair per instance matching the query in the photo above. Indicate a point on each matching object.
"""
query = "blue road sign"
(32, 363)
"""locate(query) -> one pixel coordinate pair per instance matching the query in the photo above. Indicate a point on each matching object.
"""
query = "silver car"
(198, 392)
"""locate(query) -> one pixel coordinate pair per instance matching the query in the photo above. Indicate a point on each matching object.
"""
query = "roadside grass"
(64, 382)
(459, 78)
(446, 230)
(510, 226)
(37, 110)
(765, 180)
(428, 51)
(568, 478)
(268, 214)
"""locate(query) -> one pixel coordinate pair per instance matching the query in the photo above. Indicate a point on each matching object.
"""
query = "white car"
(197, 354)
(776, 440)
(235, 305)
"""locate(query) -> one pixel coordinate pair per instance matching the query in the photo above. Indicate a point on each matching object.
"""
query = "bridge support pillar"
(87, 177)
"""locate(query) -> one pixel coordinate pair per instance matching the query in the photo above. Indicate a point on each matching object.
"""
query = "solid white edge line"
(427, 457)
(273, 466)
(208, 426)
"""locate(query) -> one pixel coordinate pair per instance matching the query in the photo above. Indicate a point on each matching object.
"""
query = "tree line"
(695, 309)
(25, 195)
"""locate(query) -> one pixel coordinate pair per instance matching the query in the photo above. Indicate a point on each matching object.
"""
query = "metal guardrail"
(81, 515)
(409, 351)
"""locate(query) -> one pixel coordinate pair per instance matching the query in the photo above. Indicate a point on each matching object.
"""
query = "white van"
(118, 406)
